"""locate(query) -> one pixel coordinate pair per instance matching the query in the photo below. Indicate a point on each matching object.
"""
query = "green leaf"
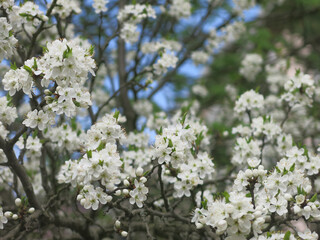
(159, 132)
(35, 65)
(89, 154)
(9, 100)
(24, 15)
(91, 50)
(45, 49)
(204, 204)
(13, 66)
(314, 198)
(170, 144)
(183, 119)
(116, 114)
(73, 124)
(101, 146)
(200, 137)
(28, 69)
(67, 53)
(292, 167)
(78, 133)
(76, 103)
(287, 235)
(226, 196)
(35, 133)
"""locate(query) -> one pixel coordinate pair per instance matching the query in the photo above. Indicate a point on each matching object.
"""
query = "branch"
(21, 173)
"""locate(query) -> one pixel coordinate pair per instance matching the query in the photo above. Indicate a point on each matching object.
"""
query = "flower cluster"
(130, 16)
(67, 65)
(180, 9)
(251, 66)
(165, 61)
(65, 8)
(32, 145)
(200, 57)
(100, 6)
(101, 163)
(299, 90)
(39, 119)
(8, 114)
(32, 16)
(139, 194)
(177, 148)
(6, 4)
(64, 138)
(90, 197)
(17, 79)
(249, 101)
(7, 40)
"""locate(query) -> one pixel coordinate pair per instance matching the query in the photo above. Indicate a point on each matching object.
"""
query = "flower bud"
(308, 188)
(14, 216)
(47, 92)
(117, 224)
(143, 180)
(248, 173)
(124, 234)
(8, 214)
(287, 196)
(139, 172)
(109, 198)
(199, 225)
(82, 201)
(18, 202)
(79, 197)
(125, 192)
(117, 193)
(126, 182)
(31, 210)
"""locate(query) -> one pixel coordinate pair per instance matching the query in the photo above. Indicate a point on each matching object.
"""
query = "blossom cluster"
(130, 16)
(299, 90)
(8, 114)
(100, 163)
(251, 66)
(100, 5)
(177, 149)
(7, 40)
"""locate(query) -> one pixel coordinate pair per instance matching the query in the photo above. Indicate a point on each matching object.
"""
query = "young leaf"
(314, 198)
(287, 235)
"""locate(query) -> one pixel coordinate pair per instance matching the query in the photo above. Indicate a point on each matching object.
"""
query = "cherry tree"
(87, 152)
